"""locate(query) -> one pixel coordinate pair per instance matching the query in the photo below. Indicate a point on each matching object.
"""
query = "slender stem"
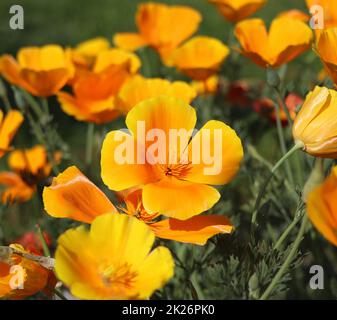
(90, 143)
(46, 250)
(33, 103)
(297, 146)
(284, 106)
(6, 102)
(60, 294)
(282, 141)
(44, 102)
(287, 261)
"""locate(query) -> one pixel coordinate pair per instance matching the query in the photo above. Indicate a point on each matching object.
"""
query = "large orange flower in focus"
(42, 71)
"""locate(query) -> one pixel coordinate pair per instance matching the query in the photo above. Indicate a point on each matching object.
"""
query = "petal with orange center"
(178, 199)
(9, 125)
(196, 230)
(215, 153)
(72, 195)
(120, 169)
(129, 41)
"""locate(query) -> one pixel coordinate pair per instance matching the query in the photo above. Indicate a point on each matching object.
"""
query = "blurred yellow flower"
(199, 57)
(139, 88)
(28, 168)
(42, 71)
(160, 26)
(9, 125)
(208, 86)
(114, 260)
(281, 45)
(329, 12)
(294, 14)
(171, 187)
(21, 277)
(316, 124)
(327, 49)
(236, 10)
(322, 209)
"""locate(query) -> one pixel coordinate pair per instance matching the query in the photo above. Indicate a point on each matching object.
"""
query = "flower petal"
(129, 41)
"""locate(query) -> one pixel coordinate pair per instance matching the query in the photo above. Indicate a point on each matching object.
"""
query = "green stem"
(284, 107)
(45, 106)
(46, 250)
(60, 294)
(297, 146)
(89, 143)
(287, 261)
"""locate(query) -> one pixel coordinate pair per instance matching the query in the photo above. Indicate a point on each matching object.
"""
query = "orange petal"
(72, 195)
(10, 69)
(129, 41)
(178, 199)
(196, 230)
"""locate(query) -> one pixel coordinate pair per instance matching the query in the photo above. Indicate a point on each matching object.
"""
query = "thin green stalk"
(296, 147)
(89, 143)
(45, 106)
(282, 142)
(33, 103)
(45, 248)
(60, 294)
(287, 261)
(3, 94)
(283, 105)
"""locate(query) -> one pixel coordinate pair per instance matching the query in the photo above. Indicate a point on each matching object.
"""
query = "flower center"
(119, 276)
(179, 170)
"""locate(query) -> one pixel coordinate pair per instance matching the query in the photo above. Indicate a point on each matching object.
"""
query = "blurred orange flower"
(322, 209)
(139, 88)
(295, 14)
(329, 12)
(199, 57)
(95, 89)
(114, 258)
(160, 26)
(236, 10)
(72, 195)
(29, 167)
(9, 125)
(31, 277)
(42, 71)
(175, 188)
(281, 45)
(207, 86)
(316, 124)
(327, 49)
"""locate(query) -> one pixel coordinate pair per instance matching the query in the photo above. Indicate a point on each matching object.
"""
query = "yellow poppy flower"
(236, 10)
(29, 167)
(114, 260)
(200, 57)
(72, 195)
(160, 26)
(327, 50)
(139, 88)
(316, 125)
(30, 276)
(294, 14)
(281, 45)
(174, 184)
(9, 125)
(42, 71)
(329, 12)
(322, 209)
(94, 91)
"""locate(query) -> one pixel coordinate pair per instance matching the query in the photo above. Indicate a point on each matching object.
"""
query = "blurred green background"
(68, 22)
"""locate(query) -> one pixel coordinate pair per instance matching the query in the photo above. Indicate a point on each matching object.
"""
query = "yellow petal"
(129, 41)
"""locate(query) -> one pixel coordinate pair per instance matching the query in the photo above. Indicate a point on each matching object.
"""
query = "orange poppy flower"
(316, 125)
(9, 125)
(139, 88)
(208, 86)
(21, 277)
(329, 12)
(281, 45)
(200, 57)
(114, 258)
(29, 167)
(174, 179)
(42, 71)
(321, 207)
(72, 195)
(160, 26)
(294, 14)
(236, 10)
(327, 49)
(95, 90)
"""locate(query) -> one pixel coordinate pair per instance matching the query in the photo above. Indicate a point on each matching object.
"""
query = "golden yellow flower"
(236, 10)
(139, 88)
(316, 124)
(200, 57)
(160, 26)
(113, 260)
(171, 186)
(281, 45)
(9, 125)
(322, 209)
(294, 14)
(329, 12)
(327, 50)
(42, 71)
(208, 86)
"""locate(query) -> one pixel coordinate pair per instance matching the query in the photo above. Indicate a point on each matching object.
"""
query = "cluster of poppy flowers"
(113, 260)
